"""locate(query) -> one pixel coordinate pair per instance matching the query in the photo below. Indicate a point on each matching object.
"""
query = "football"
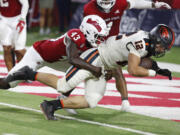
(146, 63)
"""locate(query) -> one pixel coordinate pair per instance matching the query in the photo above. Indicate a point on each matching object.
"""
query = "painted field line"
(80, 120)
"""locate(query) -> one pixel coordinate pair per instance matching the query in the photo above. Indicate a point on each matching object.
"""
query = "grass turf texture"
(24, 122)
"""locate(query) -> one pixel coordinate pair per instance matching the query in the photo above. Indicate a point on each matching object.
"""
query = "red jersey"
(10, 8)
(175, 4)
(114, 15)
(55, 49)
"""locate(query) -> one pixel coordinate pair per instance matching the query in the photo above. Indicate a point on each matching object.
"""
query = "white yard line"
(151, 111)
(80, 120)
(171, 66)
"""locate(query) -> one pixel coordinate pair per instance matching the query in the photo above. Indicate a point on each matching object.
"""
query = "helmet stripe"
(95, 24)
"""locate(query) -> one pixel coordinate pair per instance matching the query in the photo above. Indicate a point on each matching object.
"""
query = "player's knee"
(63, 86)
(93, 100)
(7, 48)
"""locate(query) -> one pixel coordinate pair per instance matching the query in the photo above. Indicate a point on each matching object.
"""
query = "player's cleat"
(48, 110)
(70, 111)
(24, 73)
(4, 84)
(125, 106)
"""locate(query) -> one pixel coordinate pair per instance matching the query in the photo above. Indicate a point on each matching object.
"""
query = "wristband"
(151, 73)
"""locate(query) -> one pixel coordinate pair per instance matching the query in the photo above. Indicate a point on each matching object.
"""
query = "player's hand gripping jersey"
(55, 49)
(117, 48)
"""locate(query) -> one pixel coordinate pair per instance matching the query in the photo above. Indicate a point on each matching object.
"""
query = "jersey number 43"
(4, 3)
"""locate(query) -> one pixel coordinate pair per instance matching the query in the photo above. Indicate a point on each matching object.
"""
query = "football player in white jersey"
(117, 50)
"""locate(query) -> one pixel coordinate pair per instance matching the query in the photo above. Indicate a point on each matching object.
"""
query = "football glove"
(165, 72)
(161, 5)
(20, 25)
(155, 66)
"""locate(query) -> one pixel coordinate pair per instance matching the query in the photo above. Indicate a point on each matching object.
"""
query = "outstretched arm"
(121, 83)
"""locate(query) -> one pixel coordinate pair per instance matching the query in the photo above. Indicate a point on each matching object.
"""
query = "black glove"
(155, 66)
(165, 72)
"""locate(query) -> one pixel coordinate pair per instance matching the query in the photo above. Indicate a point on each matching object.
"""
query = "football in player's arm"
(155, 43)
(111, 11)
(110, 55)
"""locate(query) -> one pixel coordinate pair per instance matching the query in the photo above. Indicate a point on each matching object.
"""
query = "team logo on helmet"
(95, 29)
(95, 24)
(164, 32)
(163, 35)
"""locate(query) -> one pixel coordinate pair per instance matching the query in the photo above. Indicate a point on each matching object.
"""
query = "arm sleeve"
(140, 4)
(25, 7)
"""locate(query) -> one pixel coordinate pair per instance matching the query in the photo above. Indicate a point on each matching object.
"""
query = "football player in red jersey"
(125, 47)
(92, 32)
(13, 29)
(111, 11)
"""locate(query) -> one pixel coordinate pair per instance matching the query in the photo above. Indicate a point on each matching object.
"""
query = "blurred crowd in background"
(67, 14)
(48, 13)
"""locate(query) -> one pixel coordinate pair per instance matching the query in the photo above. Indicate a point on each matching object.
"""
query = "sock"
(68, 93)
(124, 98)
(57, 104)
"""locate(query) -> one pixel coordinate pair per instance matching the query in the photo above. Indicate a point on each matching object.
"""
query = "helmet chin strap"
(103, 9)
(153, 52)
(151, 49)
(107, 10)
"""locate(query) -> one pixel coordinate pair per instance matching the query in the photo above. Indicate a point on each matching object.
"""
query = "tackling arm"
(76, 60)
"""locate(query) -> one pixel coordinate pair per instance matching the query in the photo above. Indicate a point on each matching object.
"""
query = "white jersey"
(117, 48)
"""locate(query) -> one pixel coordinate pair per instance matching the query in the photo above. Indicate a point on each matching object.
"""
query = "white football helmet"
(106, 5)
(94, 29)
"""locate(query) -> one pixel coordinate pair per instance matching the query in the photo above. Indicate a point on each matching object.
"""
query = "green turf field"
(25, 122)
